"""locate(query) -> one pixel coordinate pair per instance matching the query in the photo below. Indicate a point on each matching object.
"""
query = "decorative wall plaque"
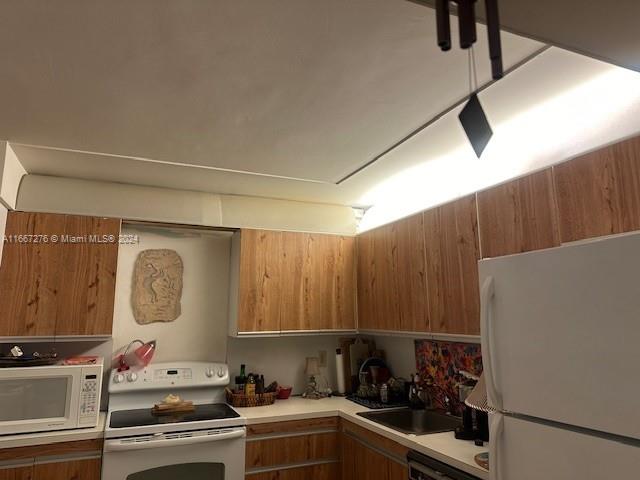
(157, 286)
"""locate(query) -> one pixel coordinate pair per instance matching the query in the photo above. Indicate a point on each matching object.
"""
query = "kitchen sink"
(418, 422)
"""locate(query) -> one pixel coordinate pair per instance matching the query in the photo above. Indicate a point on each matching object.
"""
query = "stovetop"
(142, 417)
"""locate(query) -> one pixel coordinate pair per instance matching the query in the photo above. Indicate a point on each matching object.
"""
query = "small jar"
(384, 393)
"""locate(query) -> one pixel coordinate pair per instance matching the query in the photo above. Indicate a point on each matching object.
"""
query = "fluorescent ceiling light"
(600, 110)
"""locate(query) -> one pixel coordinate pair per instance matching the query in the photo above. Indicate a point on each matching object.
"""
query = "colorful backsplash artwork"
(438, 363)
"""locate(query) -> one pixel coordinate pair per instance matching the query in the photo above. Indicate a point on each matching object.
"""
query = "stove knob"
(221, 372)
(118, 378)
(132, 377)
(209, 372)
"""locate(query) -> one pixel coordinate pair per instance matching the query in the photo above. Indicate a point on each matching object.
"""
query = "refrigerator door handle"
(486, 329)
(495, 432)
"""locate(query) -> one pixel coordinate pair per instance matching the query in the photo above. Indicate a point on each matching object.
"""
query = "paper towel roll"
(340, 371)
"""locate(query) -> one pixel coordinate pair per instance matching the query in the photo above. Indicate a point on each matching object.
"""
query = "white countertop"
(43, 438)
(441, 446)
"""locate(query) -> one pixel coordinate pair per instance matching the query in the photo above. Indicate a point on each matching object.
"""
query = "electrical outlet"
(322, 356)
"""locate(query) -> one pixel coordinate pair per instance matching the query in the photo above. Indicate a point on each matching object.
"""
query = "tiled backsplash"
(440, 362)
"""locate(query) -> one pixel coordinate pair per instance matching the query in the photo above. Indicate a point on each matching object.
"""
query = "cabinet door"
(519, 216)
(599, 193)
(29, 274)
(17, 473)
(362, 462)
(318, 282)
(88, 276)
(392, 291)
(88, 469)
(451, 242)
(378, 300)
(259, 286)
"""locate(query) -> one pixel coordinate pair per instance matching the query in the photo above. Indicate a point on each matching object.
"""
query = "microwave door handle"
(125, 445)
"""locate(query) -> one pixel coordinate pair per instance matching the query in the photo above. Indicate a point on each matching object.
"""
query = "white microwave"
(54, 397)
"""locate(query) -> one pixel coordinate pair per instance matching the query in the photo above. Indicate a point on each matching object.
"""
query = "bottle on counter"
(260, 384)
(250, 387)
(241, 380)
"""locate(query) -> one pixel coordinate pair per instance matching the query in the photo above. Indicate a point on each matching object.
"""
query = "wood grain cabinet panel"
(16, 473)
(519, 216)
(293, 426)
(296, 281)
(58, 287)
(88, 469)
(88, 276)
(284, 450)
(325, 471)
(362, 462)
(292, 449)
(599, 193)
(261, 261)
(29, 274)
(451, 242)
(392, 292)
(318, 282)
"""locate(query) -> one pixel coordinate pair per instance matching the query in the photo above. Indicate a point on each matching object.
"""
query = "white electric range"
(205, 444)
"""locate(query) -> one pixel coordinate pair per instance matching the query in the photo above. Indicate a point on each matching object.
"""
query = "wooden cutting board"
(169, 408)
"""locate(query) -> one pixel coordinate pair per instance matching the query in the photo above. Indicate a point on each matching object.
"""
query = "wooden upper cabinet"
(260, 283)
(295, 281)
(519, 216)
(451, 241)
(318, 287)
(88, 277)
(392, 291)
(29, 274)
(378, 303)
(58, 288)
(599, 193)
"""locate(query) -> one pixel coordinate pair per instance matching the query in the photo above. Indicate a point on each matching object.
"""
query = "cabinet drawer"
(292, 449)
(326, 471)
(292, 426)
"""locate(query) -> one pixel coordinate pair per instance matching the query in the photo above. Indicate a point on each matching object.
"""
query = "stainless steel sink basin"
(418, 422)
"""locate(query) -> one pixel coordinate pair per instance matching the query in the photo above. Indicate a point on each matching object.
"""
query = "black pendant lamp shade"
(475, 124)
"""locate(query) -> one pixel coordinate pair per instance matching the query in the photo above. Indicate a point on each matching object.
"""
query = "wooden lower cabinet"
(299, 449)
(86, 469)
(16, 473)
(325, 471)
(81, 460)
(366, 455)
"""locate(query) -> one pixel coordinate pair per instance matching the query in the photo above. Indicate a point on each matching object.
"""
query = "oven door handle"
(161, 440)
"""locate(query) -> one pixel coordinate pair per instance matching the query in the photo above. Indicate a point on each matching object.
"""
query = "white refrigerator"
(561, 355)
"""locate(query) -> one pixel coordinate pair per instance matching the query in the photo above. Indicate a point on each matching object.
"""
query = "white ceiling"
(296, 89)
(281, 98)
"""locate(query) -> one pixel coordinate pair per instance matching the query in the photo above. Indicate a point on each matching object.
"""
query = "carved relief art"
(157, 286)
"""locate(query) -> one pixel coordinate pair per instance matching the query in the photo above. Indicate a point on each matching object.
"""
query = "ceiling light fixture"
(467, 27)
(472, 118)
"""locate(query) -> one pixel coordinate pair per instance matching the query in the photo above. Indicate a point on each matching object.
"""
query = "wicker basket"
(257, 400)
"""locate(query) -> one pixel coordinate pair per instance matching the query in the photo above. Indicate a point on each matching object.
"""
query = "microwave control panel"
(89, 405)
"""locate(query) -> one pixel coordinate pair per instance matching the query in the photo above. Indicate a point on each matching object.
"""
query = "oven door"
(38, 399)
(214, 454)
